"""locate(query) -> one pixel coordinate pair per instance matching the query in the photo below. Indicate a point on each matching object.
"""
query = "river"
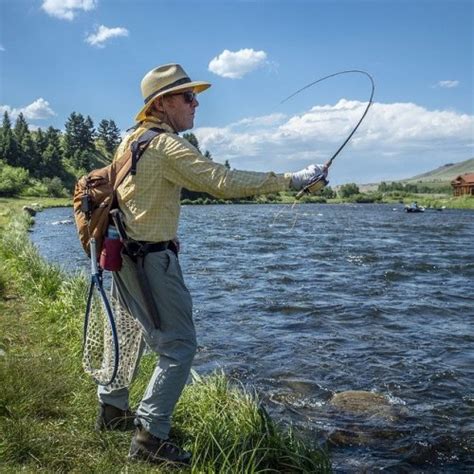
(303, 303)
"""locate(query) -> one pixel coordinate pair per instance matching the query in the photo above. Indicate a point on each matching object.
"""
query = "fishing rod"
(319, 181)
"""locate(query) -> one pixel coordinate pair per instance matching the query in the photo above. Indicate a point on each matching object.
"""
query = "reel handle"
(93, 252)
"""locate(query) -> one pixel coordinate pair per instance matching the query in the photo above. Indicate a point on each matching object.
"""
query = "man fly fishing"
(149, 203)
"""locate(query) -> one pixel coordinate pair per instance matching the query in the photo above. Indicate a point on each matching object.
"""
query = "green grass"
(48, 404)
(10, 207)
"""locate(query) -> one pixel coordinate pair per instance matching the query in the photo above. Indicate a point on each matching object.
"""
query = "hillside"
(444, 173)
(438, 178)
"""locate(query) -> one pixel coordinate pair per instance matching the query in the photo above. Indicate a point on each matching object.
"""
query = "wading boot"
(149, 448)
(113, 418)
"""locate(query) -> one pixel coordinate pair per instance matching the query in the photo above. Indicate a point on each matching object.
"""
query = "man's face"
(181, 108)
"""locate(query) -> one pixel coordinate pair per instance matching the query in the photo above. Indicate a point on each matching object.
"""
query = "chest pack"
(95, 194)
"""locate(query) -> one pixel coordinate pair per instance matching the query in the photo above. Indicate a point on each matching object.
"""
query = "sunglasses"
(188, 96)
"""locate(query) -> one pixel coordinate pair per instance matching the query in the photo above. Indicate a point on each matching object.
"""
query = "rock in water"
(361, 402)
(31, 211)
(366, 417)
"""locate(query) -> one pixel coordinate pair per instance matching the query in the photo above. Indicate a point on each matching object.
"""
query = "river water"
(348, 297)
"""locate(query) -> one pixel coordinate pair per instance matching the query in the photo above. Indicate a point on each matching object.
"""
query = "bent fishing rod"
(320, 181)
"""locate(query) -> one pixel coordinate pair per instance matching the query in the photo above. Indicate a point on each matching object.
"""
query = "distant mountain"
(444, 173)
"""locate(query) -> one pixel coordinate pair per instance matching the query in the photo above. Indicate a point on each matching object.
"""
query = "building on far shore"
(463, 185)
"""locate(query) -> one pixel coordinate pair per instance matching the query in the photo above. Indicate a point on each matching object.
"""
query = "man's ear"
(158, 104)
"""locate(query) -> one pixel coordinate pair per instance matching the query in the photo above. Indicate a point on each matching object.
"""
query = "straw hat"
(163, 80)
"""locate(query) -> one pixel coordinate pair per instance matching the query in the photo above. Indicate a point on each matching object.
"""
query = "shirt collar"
(154, 122)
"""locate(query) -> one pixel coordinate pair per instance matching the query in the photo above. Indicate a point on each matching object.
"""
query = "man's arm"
(188, 168)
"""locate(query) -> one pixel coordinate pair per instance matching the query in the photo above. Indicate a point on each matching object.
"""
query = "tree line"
(48, 162)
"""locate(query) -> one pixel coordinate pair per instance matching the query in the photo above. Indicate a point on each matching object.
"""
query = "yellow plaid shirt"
(150, 200)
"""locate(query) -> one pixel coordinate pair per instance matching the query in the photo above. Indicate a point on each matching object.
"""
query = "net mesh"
(99, 359)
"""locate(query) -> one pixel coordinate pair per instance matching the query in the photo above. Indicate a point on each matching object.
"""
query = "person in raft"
(150, 205)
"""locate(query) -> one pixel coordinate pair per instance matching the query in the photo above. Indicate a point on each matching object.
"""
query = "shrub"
(273, 197)
(347, 190)
(313, 199)
(36, 189)
(55, 187)
(363, 198)
(12, 180)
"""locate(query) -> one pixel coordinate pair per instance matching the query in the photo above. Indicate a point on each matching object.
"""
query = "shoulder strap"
(140, 145)
(135, 151)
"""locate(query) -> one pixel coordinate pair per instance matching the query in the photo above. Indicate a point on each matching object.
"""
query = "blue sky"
(88, 56)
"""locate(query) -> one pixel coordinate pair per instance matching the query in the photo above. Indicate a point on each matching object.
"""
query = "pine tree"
(21, 128)
(40, 140)
(79, 140)
(8, 143)
(109, 134)
(28, 156)
(90, 130)
(191, 138)
(51, 158)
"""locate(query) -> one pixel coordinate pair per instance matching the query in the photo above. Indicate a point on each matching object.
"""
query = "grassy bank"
(10, 207)
(48, 405)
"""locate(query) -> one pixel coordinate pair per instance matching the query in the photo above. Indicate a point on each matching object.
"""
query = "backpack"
(95, 194)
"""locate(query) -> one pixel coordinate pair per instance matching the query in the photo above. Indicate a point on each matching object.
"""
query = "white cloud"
(397, 140)
(236, 64)
(37, 110)
(2, 48)
(103, 34)
(448, 84)
(264, 121)
(67, 9)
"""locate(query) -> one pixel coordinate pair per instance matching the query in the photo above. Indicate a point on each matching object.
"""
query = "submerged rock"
(361, 402)
(367, 417)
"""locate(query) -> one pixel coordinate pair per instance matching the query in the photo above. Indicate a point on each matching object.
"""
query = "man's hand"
(303, 178)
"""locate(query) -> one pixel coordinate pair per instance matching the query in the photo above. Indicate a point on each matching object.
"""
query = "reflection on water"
(354, 297)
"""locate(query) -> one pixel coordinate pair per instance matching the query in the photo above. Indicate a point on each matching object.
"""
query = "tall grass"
(48, 405)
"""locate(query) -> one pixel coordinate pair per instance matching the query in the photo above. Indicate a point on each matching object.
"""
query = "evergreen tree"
(8, 143)
(227, 164)
(79, 140)
(191, 138)
(52, 137)
(89, 124)
(28, 156)
(51, 158)
(109, 134)
(21, 128)
(40, 140)
(208, 155)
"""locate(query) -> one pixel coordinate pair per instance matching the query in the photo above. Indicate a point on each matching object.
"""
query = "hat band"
(183, 80)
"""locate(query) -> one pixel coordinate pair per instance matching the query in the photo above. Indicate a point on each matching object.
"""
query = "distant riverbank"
(436, 201)
(433, 201)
